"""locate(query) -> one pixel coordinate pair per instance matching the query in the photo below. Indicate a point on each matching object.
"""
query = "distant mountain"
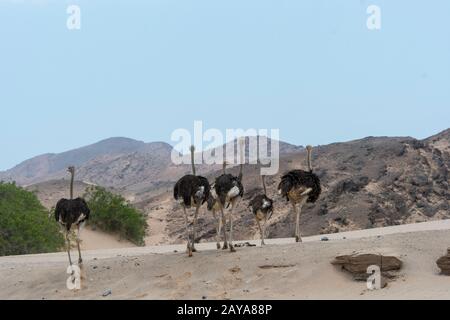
(119, 163)
(47, 166)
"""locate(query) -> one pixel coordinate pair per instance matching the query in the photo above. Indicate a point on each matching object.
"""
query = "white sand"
(293, 271)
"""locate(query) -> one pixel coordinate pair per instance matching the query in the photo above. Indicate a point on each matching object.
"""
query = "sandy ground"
(98, 240)
(281, 270)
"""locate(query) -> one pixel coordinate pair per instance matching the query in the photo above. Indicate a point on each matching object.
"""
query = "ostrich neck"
(193, 163)
(309, 162)
(72, 178)
(242, 155)
(264, 184)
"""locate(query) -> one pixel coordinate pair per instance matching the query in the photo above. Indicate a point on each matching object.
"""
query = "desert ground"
(280, 270)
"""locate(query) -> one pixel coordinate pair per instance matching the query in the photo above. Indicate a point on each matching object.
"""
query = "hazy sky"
(141, 69)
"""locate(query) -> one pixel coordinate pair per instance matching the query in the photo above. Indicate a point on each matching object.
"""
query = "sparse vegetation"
(25, 227)
(112, 213)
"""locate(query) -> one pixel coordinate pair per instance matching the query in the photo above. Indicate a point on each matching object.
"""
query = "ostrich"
(299, 187)
(229, 191)
(72, 212)
(191, 190)
(214, 206)
(262, 208)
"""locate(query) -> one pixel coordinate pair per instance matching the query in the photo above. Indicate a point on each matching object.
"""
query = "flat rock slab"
(444, 263)
(358, 263)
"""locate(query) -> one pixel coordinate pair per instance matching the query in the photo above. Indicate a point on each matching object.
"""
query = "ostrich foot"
(298, 239)
(225, 246)
(218, 246)
(232, 249)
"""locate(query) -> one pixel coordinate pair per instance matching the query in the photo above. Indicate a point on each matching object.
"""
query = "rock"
(235, 270)
(245, 244)
(107, 293)
(444, 263)
(324, 239)
(358, 263)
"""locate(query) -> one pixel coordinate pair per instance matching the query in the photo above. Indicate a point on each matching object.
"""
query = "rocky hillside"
(372, 182)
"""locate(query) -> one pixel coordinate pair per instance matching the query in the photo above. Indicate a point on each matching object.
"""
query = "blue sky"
(141, 69)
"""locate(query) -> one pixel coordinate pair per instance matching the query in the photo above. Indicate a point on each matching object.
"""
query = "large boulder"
(358, 263)
(444, 263)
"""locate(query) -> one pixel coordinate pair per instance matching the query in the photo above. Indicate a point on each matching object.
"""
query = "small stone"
(325, 239)
(107, 293)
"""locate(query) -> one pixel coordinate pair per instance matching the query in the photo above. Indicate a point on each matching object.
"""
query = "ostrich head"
(193, 159)
(309, 151)
(71, 170)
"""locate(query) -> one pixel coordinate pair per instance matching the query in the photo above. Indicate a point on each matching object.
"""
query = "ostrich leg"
(261, 232)
(231, 227)
(80, 260)
(298, 237)
(218, 228)
(224, 226)
(68, 247)
(194, 233)
(297, 222)
(189, 249)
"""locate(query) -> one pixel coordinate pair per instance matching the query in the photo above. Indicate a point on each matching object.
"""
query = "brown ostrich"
(299, 187)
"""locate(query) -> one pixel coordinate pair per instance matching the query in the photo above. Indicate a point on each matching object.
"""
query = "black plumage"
(192, 188)
(263, 204)
(228, 187)
(300, 179)
(69, 212)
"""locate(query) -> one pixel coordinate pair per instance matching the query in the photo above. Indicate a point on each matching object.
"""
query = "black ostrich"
(191, 190)
(69, 212)
(299, 187)
(214, 206)
(262, 208)
(228, 191)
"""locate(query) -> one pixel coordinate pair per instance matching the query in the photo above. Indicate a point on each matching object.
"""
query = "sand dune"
(98, 240)
(281, 270)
